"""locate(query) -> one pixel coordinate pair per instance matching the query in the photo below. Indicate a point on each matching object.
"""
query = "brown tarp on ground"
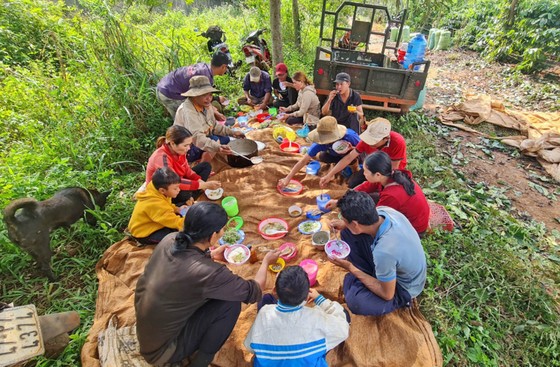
(540, 130)
(403, 338)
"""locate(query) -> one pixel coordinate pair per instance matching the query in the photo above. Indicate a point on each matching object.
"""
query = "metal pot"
(246, 147)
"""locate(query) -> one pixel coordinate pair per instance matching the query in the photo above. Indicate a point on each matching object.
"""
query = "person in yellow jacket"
(154, 216)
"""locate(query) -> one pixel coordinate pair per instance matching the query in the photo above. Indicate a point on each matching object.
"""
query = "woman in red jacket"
(172, 152)
(395, 189)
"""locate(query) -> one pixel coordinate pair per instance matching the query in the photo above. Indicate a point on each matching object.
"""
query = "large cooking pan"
(247, 147)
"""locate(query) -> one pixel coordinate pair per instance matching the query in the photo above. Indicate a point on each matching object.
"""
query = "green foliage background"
(531, 41)
(77, 107)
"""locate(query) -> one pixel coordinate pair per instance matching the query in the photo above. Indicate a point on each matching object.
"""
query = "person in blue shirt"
(331, 142)
(387, 265)
(257, 88)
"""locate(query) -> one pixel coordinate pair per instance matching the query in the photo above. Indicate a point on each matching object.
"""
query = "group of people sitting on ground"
(187, 301)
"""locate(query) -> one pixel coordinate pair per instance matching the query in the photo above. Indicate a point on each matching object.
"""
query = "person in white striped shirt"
(288, 333)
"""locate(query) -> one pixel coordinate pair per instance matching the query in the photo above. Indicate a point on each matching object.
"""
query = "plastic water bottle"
(401, 52)
(416, 51)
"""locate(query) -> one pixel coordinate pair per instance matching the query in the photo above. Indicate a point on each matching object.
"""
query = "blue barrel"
(416, 51)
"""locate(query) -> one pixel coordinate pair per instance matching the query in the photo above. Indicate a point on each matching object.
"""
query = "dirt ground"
(454, 72)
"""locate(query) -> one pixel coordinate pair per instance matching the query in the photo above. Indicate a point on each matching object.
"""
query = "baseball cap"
(219, 58)
(378, 129)
(255, 74)
(281, 68)
(342, 77)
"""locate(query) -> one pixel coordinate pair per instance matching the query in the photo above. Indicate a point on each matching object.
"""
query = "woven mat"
(402, 338)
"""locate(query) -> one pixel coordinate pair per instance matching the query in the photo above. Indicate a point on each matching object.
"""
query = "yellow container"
(277, 266)
(284, 132)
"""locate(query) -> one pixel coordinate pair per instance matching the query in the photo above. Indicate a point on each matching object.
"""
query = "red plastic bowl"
(289, 191)
(264, 222)
(289, 148)
(261, 117)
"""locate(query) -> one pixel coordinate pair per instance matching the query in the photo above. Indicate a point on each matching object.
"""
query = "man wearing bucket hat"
(170, 88)
(257, 89)
(344, 103)
(378, 136)
(196, 115)
(326, 138)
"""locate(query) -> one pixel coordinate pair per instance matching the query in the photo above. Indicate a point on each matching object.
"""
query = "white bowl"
(320, 239)
(341, 146)
(260, 145)
(337, 249)
(214, 194)
(295, 211)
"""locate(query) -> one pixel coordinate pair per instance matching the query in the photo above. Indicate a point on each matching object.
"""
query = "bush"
(530, 41)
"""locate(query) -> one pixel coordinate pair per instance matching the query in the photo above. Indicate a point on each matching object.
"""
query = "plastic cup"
(243, 121)
(311, 268)
(313, 167)
(322, 201)
(230, 121)
(230, 206)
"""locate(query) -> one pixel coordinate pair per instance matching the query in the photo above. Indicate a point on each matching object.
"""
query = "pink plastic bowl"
(237, 249)
(292, 254)
(264, 222)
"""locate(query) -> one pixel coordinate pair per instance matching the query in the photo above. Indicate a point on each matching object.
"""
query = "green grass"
(77, 108)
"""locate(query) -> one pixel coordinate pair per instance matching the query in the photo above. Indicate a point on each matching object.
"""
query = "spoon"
(240, 155)
(338, 244)
(254, 160)
(275, 231)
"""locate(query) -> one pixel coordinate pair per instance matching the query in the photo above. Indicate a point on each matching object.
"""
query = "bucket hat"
(199, 85)
(378, 129)
(328, 131)
(255, 74)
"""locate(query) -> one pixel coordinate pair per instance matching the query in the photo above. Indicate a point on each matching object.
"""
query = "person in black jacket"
(283, 88)
(187, 303)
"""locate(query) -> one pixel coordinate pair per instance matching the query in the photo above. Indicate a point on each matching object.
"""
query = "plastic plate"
(309, 227)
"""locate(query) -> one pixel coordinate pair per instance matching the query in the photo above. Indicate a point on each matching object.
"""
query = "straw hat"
(327, 131)
(378, 129)
(199, 85)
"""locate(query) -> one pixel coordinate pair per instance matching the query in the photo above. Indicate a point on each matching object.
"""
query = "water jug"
(416, 51)
(405, 34)
(394, 34)
(432, 38)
